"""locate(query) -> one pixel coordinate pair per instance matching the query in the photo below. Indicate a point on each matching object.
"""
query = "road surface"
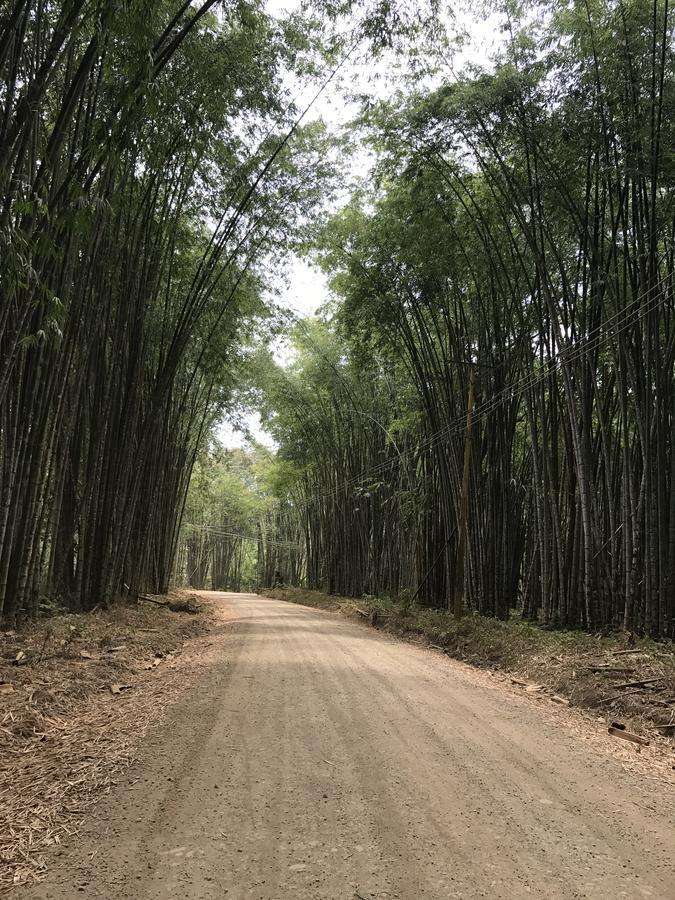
(321, 759)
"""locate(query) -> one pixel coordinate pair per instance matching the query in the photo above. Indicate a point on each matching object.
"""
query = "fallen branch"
(617, 730)
(620, 696)
(668, 729)
(611, 669)
(151, 600)
(173, 605)
(642, 683)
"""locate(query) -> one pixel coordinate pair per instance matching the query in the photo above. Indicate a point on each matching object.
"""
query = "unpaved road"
(320, 759)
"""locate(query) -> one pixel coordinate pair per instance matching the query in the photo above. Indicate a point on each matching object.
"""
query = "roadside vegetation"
(483, 419)
(618, 678)
(152, 157)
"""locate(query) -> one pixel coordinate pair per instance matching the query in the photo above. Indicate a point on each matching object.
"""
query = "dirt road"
(320, 759)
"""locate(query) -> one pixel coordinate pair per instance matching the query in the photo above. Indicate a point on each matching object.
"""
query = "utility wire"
(244, 537)
(604, 333)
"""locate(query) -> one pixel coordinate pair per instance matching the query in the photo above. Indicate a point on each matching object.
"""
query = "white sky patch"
(231, 437)
(306, 289)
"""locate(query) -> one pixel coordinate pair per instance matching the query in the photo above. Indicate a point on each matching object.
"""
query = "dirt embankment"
(614, 675)
(76, 694)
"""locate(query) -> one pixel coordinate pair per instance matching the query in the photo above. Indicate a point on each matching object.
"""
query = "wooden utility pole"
(458, 593)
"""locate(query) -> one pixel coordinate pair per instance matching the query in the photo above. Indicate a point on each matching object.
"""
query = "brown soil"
(314, 758)
(76, 694)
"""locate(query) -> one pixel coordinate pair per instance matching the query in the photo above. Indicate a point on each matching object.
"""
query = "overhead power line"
(212, 529)
(601, 335)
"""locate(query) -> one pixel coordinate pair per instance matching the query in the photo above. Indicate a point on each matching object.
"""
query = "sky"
(299, 286)
(304, 292)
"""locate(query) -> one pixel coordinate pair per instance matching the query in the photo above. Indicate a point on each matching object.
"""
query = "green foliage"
(228, 489)
(150, 159)
(516, 225)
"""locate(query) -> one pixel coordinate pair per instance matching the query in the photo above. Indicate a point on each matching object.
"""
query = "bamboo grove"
(226, 501)
(514, 245)
(143, 172)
